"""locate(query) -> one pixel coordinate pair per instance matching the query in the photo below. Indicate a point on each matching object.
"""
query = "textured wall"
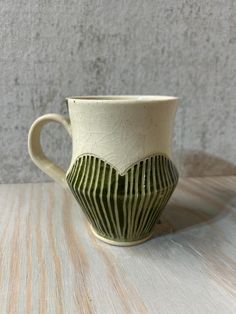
(52, 49)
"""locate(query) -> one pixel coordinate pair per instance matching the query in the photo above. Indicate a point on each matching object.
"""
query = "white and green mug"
(121, 172)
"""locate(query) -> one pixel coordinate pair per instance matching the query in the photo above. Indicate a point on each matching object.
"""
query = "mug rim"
(123, 98)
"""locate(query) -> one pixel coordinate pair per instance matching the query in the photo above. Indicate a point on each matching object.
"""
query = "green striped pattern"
(123, 207)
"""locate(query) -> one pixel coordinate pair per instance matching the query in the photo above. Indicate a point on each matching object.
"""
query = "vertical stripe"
(129, 231)
(161, 197)
(96, 210)
(153, 197)
(157, 204)
(109, 202)
(148, 196)
(125, 213)
(142, 192)
(95, 192)
(115, 204)
(108, 227)
(81, 189)
(79, 166)
(158, 166)
(136, 195)
(70, 174)
(140, 207)
(163, 201)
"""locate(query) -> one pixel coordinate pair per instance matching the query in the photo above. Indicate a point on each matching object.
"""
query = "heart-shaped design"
(123, 207)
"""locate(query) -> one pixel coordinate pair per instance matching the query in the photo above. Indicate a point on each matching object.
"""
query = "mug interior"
(124, 98)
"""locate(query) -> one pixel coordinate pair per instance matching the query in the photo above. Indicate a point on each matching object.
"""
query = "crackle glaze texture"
(53, 49)
(121, 172)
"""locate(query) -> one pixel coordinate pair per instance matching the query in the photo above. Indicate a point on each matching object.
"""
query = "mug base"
(120, 243)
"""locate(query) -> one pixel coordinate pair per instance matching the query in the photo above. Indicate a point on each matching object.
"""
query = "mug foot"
(120, 243)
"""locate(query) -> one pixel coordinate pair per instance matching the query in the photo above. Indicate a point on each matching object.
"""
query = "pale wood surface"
(51, 263)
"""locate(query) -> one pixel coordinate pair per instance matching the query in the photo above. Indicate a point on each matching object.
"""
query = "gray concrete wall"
(52, 49)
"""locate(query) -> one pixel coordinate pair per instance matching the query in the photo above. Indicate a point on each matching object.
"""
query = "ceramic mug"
(121, 171)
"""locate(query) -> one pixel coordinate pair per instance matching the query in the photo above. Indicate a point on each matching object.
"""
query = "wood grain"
(51, 263)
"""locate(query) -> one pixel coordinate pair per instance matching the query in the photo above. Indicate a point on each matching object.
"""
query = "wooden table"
(51, 263)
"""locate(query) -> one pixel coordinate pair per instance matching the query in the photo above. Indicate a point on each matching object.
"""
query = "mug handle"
(35, 148)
